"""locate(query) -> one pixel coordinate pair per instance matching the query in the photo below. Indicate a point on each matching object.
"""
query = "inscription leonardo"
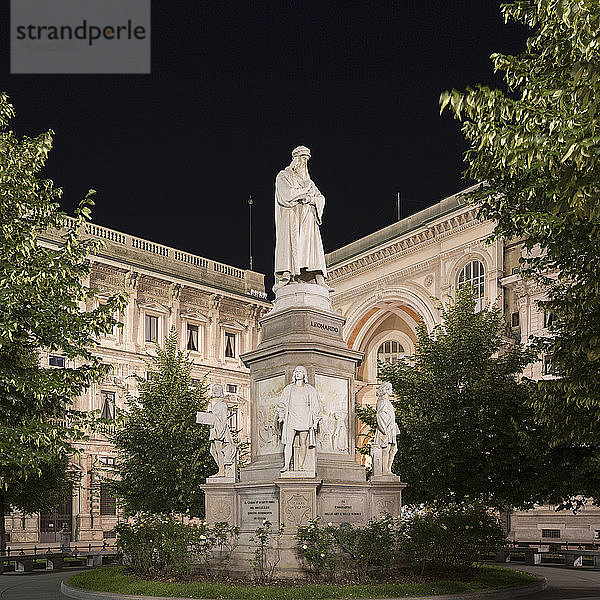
(324, 326)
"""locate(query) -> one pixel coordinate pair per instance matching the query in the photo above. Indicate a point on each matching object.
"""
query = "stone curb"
(505, 594)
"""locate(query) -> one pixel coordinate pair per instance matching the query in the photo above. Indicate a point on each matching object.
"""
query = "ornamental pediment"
(155, 306)
(104, 294)
(193, 315)
(232, 324)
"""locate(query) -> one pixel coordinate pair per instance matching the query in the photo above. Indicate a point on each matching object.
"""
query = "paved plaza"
(564, 584)
(33, 586)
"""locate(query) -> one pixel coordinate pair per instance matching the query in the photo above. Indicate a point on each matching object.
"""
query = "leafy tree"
(163, 455)
(45, 490)
(536, 147)
(42, 295)
(467, 428)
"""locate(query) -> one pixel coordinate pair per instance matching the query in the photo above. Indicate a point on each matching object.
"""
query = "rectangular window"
(547, 366)
(597, 534)
(192, 338)
(109, 535)
(151, 328)
(107, 401)
(229, 345)
(56, 361)
(231, 388)
(108, 503)
(233, 419)
(514, 319)
(550, 533)
(549, 319)
(107, 460)
(196, 382)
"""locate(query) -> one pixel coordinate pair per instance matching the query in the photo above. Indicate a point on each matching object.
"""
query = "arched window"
(473, 274)
(390, 351)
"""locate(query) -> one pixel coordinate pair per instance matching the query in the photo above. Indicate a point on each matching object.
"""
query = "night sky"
(235, 86)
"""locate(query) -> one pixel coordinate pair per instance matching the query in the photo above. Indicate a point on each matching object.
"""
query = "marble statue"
(299, 411)
(299, 204)
(384, 447)
(222, 446)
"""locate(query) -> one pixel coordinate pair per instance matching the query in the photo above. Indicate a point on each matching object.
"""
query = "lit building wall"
(388, 281)
(215, 309)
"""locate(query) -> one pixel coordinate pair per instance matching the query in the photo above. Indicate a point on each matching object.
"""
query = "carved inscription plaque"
(321, 325)
(256, 509)
(344, 509)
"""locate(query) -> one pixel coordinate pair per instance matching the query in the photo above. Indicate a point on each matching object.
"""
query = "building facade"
(388, 281)
(384, 284)
(215, 309)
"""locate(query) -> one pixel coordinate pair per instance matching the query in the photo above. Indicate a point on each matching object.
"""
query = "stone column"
(131, 316)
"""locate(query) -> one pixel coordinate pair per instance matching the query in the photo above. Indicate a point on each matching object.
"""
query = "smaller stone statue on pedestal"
(222, 447)
(299, 410)
(384, 447)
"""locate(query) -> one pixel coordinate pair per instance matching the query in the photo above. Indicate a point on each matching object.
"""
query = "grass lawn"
(115, 579)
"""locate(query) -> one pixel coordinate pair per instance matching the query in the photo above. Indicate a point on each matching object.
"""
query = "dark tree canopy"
(466, 422)
(537, 148)
(163, 455)
(42, 295)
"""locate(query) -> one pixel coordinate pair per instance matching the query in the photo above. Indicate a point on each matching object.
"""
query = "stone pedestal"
(302, 329)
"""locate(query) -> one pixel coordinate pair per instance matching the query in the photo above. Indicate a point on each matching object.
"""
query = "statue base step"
(297, 294)
(290, 502)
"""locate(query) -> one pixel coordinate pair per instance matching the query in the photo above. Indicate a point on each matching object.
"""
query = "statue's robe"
(312, 418)
(298, 242)
(387, 428)
(219, 431)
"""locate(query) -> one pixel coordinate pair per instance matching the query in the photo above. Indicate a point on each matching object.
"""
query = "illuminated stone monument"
(303, 425)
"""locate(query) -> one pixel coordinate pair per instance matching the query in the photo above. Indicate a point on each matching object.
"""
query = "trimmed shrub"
(428, 541)
(443, 538)
(155, 545)
(161, 545)
(366, 553)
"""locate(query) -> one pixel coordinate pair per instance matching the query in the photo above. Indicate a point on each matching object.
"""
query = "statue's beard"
(300, 170)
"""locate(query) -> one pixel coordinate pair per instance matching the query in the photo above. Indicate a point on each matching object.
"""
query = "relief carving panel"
(333, 428)
(298, 510)
(269, 391)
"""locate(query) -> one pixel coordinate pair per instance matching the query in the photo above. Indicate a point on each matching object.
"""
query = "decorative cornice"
(418, 240)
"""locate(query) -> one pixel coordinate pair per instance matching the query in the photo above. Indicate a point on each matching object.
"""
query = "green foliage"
(432, 541)
(359, 554)
(45, 490)
(117, 580)
(156, 545)
(212, 548)
(163, 546)
(42, 294)
(266, 554)
(318, 548)
(163, 455)
(536, 148)
(449, 538)
(467, 429)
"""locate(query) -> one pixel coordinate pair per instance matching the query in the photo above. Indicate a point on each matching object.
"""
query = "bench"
(533, 556)
(24, 562)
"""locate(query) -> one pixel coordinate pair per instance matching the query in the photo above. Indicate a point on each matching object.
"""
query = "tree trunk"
(2, 523)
